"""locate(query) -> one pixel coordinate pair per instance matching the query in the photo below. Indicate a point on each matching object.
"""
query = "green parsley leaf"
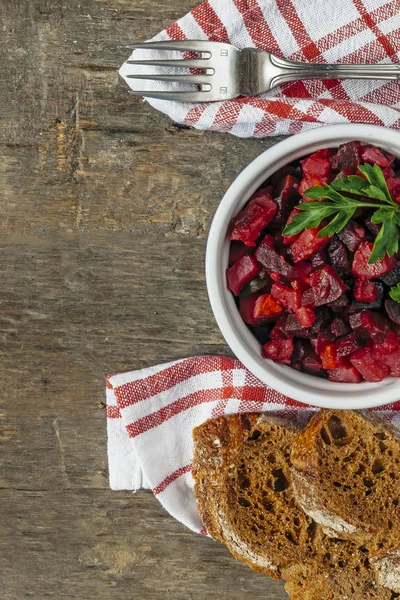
(376, 178)
(310, 217)
(386, 242)
(327, 192)
(338, 222)
(382, 215)
(353, 184)
(395, 293)
(342, 208)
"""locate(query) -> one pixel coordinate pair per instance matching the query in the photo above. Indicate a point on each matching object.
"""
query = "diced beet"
(249, 223)
(303, 270)
(339, 305)
(279, 350)
(373, 155)
(294, 329)
(344, 374)
(281, 173)
(323, 316)
(373, 227)
(279, 329)
(365, 290)
(324, 338)
(287, 297)
(355, 320)
(392, 278)
(305, 316)
(289, 239)
(307, 243)
(376, 304)
(363, 270)
(333, 159)
(256, 285)
(246, 308)
(366, 363)
(278, 239)
(375, 324)
(393, 310)
(338, 257)
(308, 298)
(393, 362)
(347, 345)
(301, 349)
(268, 240)
(275, 276)
(328, 357)
(262, 333)
(347, 157)
(312, 364)
(299, 284)
(316, 170)
(388, 173)
(339, 328)
(396, 329)
(326, 285)
(352, 235)
(304, 357)
(266, 308)
(393, 184)
(296, 365)
(286, 196)
(269, 258)
(345, 172)
(237, 250)
(259, 309)
(387, 346)
(241, 273)
(318, 259)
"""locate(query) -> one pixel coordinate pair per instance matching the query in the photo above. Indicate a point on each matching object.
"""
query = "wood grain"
(104, 211)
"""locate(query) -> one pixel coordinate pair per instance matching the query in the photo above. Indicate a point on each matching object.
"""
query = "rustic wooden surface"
(104, 211)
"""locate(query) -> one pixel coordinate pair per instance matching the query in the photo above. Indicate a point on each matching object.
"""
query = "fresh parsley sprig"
(342, 208)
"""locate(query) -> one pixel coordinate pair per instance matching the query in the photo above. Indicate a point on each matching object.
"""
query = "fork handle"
(287, 70)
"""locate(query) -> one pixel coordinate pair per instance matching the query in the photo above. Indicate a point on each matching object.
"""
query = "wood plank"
(78, 149)
(103, 544)
(105, 207)
(76, 307)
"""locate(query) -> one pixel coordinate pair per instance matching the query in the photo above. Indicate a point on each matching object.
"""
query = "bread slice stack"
(318, 508)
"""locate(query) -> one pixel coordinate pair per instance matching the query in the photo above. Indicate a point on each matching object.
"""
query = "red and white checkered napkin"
(151, 414)
(353, 31)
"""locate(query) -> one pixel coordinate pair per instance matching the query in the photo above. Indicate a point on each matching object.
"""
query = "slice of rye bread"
(244, 493)
(346, 475)
(343, 572)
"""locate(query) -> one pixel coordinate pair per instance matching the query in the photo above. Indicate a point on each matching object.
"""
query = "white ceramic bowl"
(300, 386)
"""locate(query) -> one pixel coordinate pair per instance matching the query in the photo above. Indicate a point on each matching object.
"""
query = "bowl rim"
(302, 387)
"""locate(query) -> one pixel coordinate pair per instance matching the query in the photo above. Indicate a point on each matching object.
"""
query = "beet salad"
(314, 264)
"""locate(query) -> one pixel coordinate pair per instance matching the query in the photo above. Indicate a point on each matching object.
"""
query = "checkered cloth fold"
(151, 414)
(320, 31)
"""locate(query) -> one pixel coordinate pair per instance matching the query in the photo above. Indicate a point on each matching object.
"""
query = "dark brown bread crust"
(346, 475)
(244, 493)
(342, 572)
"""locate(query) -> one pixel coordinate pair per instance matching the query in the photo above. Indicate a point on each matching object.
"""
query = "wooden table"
(105, 207)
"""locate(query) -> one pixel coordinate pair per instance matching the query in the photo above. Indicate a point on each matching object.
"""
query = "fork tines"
(201, 63)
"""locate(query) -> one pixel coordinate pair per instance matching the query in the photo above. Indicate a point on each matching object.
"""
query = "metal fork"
(228, 72)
